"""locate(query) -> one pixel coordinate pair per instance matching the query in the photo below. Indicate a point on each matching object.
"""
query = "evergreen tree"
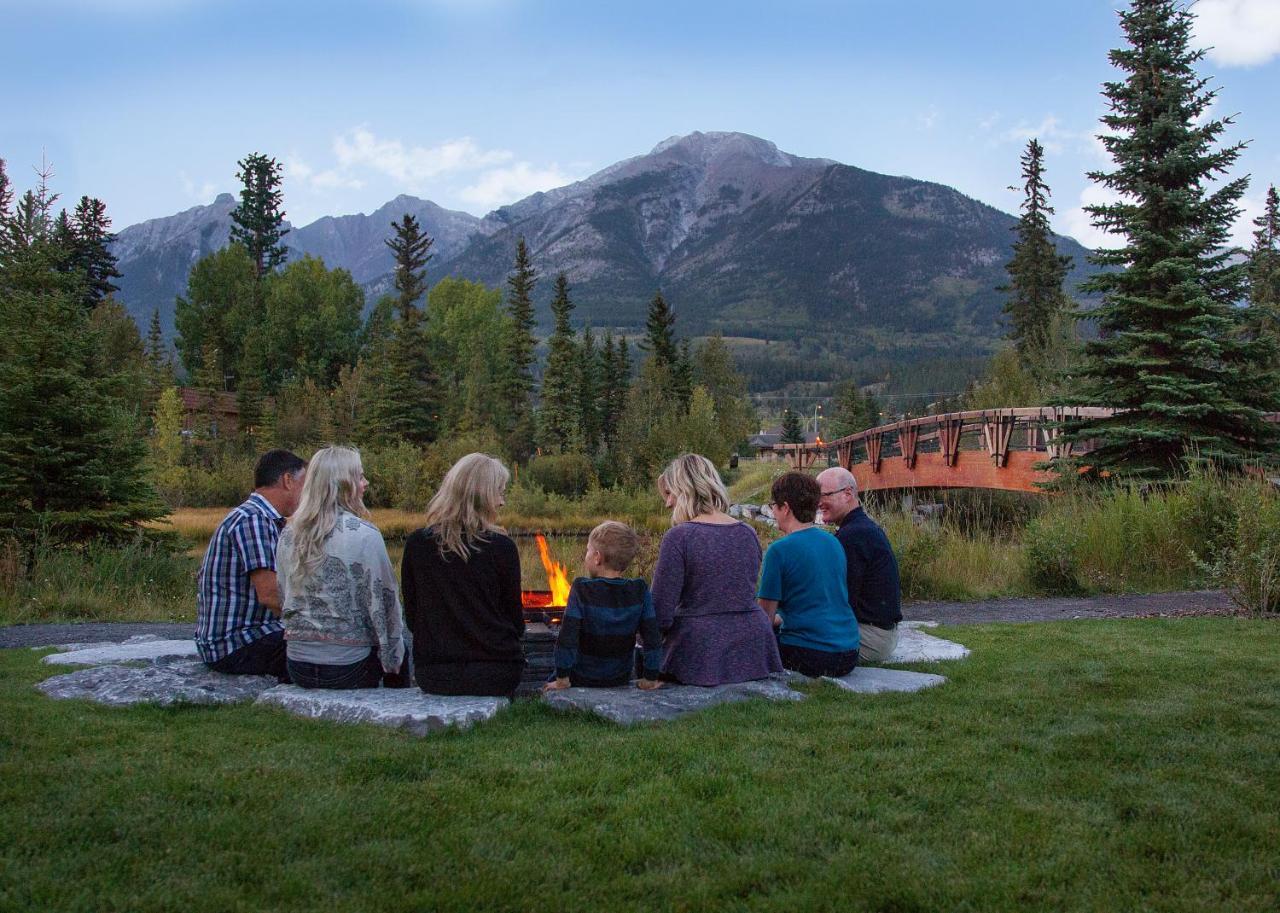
(90, 229)
(1170, 355)
(519, 348)
(660, 333)
(851, 412)
(589, 400)
(405, 404)
(560, 419)
(1264, 271)
(257, 221)
(209, 382)
(1036, 271)
(159, 368)
(410, 248)
(249, 391)
(791, 430)
(72, 464)
(6, 213)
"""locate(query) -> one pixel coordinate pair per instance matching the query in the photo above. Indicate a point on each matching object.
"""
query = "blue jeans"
(367, 673)
(264, 656)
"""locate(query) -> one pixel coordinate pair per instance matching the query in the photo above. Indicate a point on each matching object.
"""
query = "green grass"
(1100, 765)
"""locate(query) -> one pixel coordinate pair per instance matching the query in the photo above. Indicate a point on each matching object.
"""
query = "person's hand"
(648, 684)
(558, 684)
(777, 620)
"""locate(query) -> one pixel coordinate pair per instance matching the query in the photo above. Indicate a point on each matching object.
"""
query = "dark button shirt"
(875, 592)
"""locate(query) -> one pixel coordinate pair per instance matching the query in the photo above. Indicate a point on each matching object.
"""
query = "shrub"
(1050, 556)
(396, 477)
(569, 475)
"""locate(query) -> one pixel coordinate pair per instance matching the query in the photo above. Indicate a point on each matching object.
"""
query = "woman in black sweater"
(461, 584)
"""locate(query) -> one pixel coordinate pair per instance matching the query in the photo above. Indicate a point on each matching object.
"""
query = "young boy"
(596, 645)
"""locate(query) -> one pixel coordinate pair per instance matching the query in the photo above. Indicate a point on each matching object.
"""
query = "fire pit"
(543, 611)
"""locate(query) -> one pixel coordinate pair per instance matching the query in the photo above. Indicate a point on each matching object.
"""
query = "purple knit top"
(704, 595)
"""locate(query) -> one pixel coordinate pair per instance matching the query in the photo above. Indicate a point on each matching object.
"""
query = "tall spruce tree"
(1170, 355)
(589, 375)
(411, 249)
(257, 222)
(90, 227)
(560, 417)
(615, 369)
(660, 332)
(1036, 270)
(792, 433)
(1264, 271)
(519, 347)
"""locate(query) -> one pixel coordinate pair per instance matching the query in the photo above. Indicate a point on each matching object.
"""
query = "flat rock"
(627, 705)
(874, 680)
(165, 682)
(915, 646)
(400, 708)
(143, 648)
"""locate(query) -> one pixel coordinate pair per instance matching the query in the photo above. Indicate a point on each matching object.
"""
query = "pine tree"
(1264, 271)
(1036, 271)
(6, 213)
(559, 417)
(590, 407)
(410, 247)
(519, 348)
(405, 403)
(159, 360)
(791, 430)
(91, 231)
(1170, 355)
(257, 221)
(660, 334)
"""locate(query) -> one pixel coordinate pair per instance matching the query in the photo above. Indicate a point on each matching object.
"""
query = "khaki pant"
(875, 645)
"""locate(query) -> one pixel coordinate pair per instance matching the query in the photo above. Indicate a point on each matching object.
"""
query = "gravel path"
(1199, 602)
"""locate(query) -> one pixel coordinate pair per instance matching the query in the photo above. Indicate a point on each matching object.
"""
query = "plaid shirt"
(228, 613)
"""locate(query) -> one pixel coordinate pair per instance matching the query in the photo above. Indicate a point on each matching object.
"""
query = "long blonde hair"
(466, 506)
(696, 485)
(332, 484)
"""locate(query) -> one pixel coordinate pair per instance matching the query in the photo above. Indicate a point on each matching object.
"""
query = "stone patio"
(915, 646)
(143, 647)
(629, 704)
(875, 680)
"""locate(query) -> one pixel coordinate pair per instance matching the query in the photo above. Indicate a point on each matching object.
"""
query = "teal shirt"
(804, 572)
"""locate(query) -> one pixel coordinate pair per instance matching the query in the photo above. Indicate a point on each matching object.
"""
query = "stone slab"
(629, 704)
(165, 683)
(400, 708)
(143, 648)
(874, 680)
(915, 646)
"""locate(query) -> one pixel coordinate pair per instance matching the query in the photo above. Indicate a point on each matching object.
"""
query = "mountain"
(155, 257)
(750, 240)
(740, 236)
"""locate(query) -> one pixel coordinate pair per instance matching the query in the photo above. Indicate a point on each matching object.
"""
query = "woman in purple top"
(705, 584)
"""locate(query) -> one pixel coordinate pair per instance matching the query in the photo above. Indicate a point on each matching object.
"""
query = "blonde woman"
(461, 577)
(704, 585)
(343, 625)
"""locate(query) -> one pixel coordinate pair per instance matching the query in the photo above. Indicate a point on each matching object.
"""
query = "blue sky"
(476, 103)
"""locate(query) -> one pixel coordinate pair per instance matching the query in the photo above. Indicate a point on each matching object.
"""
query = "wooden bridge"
(985, 448)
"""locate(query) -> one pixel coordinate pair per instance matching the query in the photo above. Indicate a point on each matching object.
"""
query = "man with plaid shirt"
(238, 627)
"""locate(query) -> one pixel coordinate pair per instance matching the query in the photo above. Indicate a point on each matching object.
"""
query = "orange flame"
(557, 574)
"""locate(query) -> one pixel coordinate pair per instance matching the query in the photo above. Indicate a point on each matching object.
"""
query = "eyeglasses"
(829, 494)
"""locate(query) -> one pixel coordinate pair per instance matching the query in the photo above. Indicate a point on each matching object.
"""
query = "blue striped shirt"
(597, 640)
(228, 613)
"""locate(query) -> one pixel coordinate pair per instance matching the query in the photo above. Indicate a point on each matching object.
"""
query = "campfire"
(547, 606)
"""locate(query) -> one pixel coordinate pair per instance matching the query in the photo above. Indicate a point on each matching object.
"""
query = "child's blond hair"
(617, 544)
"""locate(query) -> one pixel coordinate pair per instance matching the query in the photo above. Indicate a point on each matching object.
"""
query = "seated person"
(802, 585)
(596, 644)
(875, 590)
(343, 625)
(238, 627)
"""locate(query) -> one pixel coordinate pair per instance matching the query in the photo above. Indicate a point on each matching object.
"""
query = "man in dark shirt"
(875, 592)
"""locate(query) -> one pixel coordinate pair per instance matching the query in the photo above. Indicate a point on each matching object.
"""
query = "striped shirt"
(228, 613)
(597, 640)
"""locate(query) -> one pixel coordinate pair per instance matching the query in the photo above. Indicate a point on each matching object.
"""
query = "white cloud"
(202, 192)
(1239, 33)
(1050, 132)
(298, 171)
(1078, 224)
(506, 185)
(929, 118)
(413, 166)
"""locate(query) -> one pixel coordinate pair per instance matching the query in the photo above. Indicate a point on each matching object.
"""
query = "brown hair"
(617, 544)
(799, 491)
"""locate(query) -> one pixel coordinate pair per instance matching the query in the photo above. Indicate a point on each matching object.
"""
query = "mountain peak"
(224, 199)
(714, 144)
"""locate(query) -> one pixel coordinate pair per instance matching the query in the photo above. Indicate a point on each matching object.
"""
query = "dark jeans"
(816, 663)
(265, 656)
(479, 679)
(366, 673)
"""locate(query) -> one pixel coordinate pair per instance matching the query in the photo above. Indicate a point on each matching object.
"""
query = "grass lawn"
(1092, 765)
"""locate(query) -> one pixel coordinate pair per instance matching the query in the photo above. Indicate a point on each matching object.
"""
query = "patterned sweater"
(352, 599)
